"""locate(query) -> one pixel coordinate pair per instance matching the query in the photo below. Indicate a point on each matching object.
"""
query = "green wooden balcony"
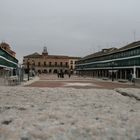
(6, 60)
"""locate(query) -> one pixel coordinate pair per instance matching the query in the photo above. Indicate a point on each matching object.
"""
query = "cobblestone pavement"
(77, 82)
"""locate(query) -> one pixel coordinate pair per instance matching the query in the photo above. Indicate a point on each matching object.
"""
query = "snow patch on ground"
(80, 84)
(131, 92)
(67, 113)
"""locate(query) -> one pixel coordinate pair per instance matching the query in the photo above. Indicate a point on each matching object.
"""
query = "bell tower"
(45, 52)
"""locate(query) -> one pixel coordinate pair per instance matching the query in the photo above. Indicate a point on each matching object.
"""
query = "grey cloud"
(69, 27)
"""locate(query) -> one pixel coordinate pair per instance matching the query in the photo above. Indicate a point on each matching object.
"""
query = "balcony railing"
(47, 66)
(6, 60)
(55, 66)
(6, 55)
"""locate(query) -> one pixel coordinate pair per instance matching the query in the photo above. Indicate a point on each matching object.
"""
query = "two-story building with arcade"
(46, 63)
(114, 63)
(8, 62)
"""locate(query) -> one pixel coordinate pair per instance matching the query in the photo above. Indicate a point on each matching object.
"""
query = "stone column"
(105, 73)
(137, 73)
(120, 74)
(116, 74)
(134, 73)
(125, 74)
(98, 73)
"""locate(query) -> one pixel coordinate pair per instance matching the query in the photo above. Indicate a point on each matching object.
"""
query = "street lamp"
(28, 69)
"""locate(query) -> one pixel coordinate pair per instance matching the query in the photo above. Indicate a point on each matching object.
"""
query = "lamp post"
(28, 69)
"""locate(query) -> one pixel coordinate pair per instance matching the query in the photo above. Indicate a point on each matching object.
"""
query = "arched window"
(44, 63)
(39, 64)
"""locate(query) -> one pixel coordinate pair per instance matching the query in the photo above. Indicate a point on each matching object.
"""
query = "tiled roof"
(34, 55)
(7, 48)
(73, 57)
(130, 46)
(100, 53)
(58, 56)
(3, 44)
(37, 55)
(112, 50)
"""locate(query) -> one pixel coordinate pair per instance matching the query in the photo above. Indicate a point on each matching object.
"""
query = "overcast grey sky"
(68, 27)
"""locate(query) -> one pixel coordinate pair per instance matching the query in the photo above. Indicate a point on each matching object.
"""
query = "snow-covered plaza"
(33, 113)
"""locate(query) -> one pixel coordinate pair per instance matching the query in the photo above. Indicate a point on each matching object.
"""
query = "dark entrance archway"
(50, 70)
(55, 71)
